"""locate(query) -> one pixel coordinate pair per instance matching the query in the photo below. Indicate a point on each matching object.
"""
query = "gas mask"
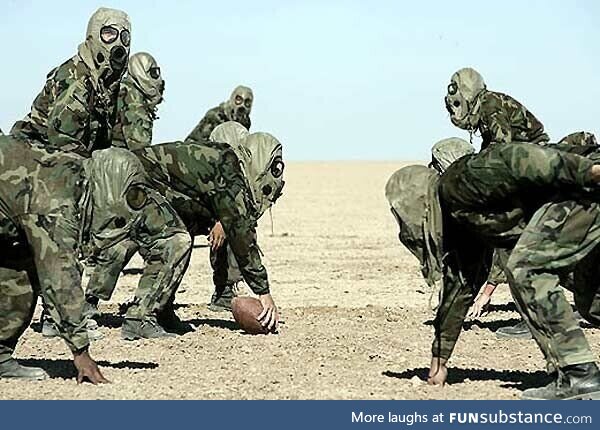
(412, 196)
(462, 99)
(106, 47)
(239, 104)
(261, 159)
(447, 151)
(145, 73)
(115, 196)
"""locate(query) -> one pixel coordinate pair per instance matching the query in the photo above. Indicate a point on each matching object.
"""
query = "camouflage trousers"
(19, 290)
(225, 267)
(166, 247)
(166, 262)
(560, 238)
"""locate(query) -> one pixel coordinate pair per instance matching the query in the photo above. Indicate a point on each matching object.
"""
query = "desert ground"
(354, 305)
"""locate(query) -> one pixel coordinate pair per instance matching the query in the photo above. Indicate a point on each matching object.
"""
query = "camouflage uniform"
(210, 175)
(39, 193)
(497, 117)
(488, 199)
(141, 92)
(76, 109)
(237, 108)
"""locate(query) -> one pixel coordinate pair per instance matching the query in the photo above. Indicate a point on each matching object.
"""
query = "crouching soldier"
(540, 199)
(49, 203)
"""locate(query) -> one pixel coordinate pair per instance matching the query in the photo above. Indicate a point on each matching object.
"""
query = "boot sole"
(513, 336)
(217, 308)
(27, 378)
(134, 336)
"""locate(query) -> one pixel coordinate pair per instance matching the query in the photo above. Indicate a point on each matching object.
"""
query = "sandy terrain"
(355, 310)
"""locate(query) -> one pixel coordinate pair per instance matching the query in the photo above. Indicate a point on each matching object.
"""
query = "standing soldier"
(76, 110)
(140, 94)
(237, 109)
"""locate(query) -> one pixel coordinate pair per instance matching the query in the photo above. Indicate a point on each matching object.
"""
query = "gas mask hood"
(106, 46)
(239, 105)
(463, 98)
(447, 151)
(145, 72)
(261, 158)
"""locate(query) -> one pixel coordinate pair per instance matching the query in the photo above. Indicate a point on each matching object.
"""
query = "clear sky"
(332, 79)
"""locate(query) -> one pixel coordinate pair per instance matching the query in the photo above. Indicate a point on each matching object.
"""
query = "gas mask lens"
(277, 168)
(248, 103)
(154, 72)
(109, 34)
(452, 88)
(125, 37)
(238, 100)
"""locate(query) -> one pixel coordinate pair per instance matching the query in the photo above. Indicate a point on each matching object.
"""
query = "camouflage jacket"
(39, 192)
(135, 118)
(502, 119)
(210, 175)
(70, 114)
(214, 117)
(487, 199)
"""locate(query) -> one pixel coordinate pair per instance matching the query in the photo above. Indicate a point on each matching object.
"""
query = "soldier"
(51, 202)
(261, 158)
(204, 183)
(140, 94)
(487, 200)
(497, 117)
(76, 110)
(237, 108)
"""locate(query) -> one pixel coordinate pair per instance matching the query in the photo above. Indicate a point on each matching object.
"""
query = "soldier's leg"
(109, 265)
(586, 287)
(225, 275)
(17, 304)
(166, 262)
(543, 250)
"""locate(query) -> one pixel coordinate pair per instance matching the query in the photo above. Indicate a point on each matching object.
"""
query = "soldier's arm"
(466, 267)
(69, 116)
(204, 128)
(533, 165)
(499, 126)
(53, 241)
(136, 126)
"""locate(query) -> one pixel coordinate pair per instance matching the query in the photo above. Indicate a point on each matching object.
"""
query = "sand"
(354, 305)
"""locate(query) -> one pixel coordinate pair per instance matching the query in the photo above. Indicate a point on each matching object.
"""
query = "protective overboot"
(221, 299)
(517, 331)
(12, 369)
(577, 382)
(143, 329)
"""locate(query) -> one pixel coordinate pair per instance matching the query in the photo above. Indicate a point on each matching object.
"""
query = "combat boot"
(221, 299)
(143, 329)
(12, 369)
(90, 307)
(577, 382)
(517, 331)
(49, 329)
(169, 320)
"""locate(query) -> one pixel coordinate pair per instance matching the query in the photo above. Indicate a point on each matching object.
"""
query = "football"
(245, 312)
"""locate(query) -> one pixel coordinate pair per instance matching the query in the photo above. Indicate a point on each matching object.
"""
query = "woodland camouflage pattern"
(39, 192)
(505, 120)
(237, 109)
(69, 114)
(135, 118)
(210, 175)
(487, 202)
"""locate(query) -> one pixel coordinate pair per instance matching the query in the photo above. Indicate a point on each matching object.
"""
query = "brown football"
(245, 312)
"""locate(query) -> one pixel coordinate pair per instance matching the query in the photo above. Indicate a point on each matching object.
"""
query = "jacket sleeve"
(53, 241)
(465, 270)
(136, 126)
(69, 116)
